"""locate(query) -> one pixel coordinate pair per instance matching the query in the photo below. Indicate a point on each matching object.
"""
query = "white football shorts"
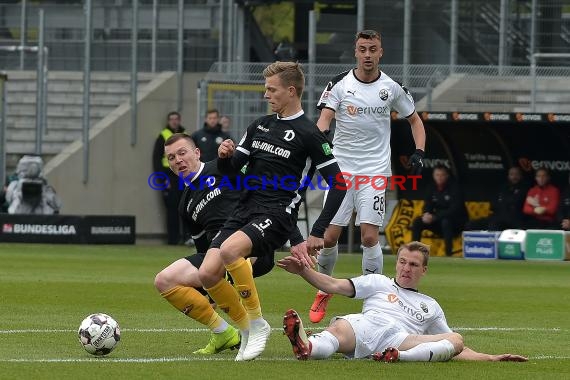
(366, 195)
(373, 334)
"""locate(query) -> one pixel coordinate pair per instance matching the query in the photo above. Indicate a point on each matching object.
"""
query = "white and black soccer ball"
(99, 334)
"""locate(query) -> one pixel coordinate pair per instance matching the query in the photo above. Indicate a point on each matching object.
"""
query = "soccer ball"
(99, 334)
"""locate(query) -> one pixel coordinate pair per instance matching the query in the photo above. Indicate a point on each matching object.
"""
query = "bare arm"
(469, 354)
(418, 131)
(325, 119)
(320, 281)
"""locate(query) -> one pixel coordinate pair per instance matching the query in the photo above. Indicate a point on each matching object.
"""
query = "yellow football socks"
(192, 303)
(227, 299)
(242, 275)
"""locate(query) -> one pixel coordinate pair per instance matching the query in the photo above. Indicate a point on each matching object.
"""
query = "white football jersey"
(362, 112)
(415, 312)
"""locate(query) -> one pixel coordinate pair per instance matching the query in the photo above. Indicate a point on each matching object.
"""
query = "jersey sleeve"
(244, 144)
(236, 162)
(330, 98)
(324, 161)
(367, 285)
(320, 150)
(403, 101)
(439, 324)
(296, 236)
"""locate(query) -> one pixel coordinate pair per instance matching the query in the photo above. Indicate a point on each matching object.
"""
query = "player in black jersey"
(205, 206)
(279, 150)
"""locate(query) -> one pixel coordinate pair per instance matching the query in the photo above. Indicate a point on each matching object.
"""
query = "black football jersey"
(279, 153)
(208, 199)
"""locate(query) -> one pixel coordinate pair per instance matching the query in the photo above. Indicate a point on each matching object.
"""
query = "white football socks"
(323, 344)
(440, 351)
(372, 259)
(327, 259)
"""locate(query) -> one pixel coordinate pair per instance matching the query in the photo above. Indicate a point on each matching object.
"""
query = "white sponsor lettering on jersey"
(362, 112)
(415, 312)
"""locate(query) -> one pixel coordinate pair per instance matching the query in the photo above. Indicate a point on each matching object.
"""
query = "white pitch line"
(136, 360)
(185, 359)
(542, 329)
(191, 330)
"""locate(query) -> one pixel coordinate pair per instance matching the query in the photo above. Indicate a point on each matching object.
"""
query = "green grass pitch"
(46, 291)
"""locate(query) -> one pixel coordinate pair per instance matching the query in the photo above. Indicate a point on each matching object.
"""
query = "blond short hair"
(416, 246)
(290, 73)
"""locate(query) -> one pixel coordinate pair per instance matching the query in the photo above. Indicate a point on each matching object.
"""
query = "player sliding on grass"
(205, 206)
(397, 323)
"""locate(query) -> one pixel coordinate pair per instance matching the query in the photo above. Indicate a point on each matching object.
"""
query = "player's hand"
(314, 245)
(304, 253)
(226, 149)
(539, 210)
(291, 264)
(416, 162)
(565, 224)
(508, 358)
(299, 251)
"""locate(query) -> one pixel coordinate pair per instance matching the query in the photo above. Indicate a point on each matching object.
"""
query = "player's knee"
(162, 281)
(330, 238)
(457, 341)
(330, 241)
(342, 331)
(369, 240)
(207, 277)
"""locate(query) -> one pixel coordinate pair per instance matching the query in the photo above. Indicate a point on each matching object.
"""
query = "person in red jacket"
(541, 202)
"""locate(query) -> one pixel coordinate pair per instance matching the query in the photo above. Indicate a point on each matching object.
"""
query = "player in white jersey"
(361, 100)
(396, 323)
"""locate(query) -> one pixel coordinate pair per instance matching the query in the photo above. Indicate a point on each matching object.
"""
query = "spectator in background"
(172, 192)
(541, 203)
(225, 122)
(444, 209)
(564, 210)
(506, 209)
(209, 138)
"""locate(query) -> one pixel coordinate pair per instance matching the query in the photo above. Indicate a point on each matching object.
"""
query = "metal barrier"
(440, 31)
(236, 89)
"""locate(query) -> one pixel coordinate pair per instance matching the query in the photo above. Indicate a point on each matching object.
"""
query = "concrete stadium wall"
(118, 172)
